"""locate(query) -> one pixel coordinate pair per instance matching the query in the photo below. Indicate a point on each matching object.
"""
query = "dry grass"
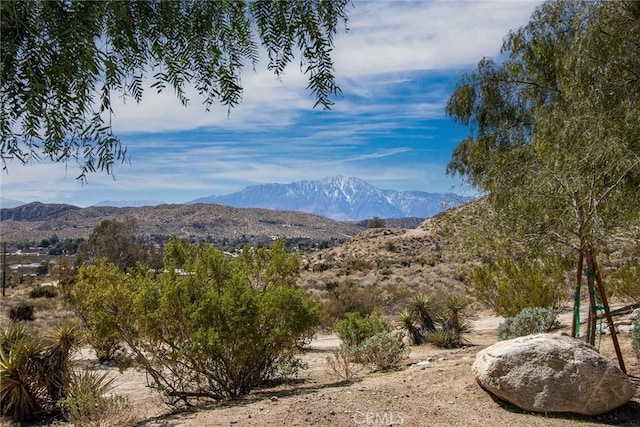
(48, 312)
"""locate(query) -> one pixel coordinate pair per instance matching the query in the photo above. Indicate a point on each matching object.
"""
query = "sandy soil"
(443, 394)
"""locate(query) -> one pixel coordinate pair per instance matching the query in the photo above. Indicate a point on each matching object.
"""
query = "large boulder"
(552, 373)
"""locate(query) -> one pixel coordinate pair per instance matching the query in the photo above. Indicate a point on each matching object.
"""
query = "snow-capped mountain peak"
(340, 198)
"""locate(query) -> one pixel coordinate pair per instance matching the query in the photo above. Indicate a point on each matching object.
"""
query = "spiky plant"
(19, 391)
(57, 364)
(420, 306)
(406, 321)
(89, 405)
(451, 326)
(33, 375)
(454, 304)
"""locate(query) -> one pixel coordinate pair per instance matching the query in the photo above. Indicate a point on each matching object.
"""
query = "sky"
(397, 66)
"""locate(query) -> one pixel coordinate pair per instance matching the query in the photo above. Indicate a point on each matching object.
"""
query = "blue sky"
(397, 66)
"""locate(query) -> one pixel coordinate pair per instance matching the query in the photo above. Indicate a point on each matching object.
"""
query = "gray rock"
(552, 373)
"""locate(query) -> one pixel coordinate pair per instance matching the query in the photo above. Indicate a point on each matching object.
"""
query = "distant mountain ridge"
(340, 198)
(197, 222)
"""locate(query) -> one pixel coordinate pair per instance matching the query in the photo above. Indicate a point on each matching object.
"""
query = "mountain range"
(340, 198)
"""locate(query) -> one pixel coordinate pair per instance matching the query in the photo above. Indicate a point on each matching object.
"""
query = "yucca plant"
(451, 326)
(33, 374)
(19, 392)
(420, 305)
(406, 321)
(57, 364)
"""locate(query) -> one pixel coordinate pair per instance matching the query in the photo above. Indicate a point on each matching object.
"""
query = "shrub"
(21, 312)
(376, 222)
(355, 328)
(509, 285)
(625, 282)
(89, 405)
(636, 336)
(45, 291)
(346, 297)
(207, 325)
(87, 296)
(369, 340)
(381, 351)
(341, 364)
(531, 320)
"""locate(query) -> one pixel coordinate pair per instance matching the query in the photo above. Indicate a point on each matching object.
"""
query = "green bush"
(87, 297)
(21, 312)
(381, 351)
(369, 340)
(533, 320)
(44, 291)
(207, 325)
(635, 340)
(625, 282)
(376, 222)
(355, 328)
(510, 285)
(346, 297)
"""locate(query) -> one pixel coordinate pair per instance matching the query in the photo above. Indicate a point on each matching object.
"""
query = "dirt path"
(444, 394)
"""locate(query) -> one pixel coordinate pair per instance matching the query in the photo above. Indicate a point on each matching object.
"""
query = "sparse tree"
(64, 61)
(555, 129)
(376, 222)
(115, 241)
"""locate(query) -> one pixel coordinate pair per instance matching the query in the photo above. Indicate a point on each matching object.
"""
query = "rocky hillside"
(435, 257)
(202, 222)
(395, 263)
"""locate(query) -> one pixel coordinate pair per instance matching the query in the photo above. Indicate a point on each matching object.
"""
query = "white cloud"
(392, 37)
(384, 37)
(389, 47)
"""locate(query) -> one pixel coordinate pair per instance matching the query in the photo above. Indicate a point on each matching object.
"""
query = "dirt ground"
(442, 394)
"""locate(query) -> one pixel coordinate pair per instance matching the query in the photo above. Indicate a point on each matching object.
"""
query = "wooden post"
(4, 267)
(575, 325)
(591, 324)
(607, 311)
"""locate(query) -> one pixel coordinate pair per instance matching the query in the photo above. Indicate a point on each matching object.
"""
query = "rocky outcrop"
(552, 373)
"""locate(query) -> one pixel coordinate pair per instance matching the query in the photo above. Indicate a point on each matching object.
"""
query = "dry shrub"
(342, 366)
(90, 405)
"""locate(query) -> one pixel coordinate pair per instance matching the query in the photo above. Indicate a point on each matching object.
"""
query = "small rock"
(424, 364)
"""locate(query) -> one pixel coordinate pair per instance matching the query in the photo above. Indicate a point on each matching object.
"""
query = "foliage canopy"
(555, 129)
(64, 61)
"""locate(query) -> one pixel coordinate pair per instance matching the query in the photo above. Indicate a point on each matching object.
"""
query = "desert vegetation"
(552, 145)
(200, 290)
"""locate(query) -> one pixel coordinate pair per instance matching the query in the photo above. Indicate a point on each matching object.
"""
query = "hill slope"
(202, 222)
